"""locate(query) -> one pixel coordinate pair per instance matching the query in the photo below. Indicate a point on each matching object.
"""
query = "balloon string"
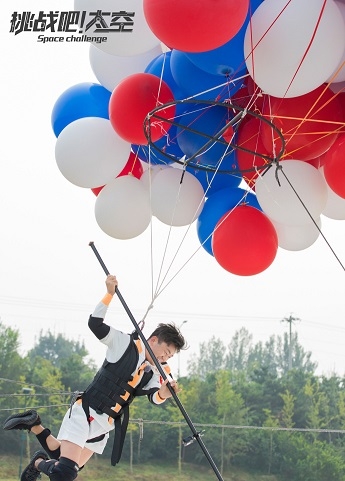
(151, 230)
(159, 288)
(201, 245)
(253, 47)
(141, 324)
(309, 118)
(308, 47)
(225, 84)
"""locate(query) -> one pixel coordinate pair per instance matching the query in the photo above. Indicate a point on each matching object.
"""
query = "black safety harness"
(111, 393)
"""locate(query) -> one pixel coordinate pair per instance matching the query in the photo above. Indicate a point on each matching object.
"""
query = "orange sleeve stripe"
(107, 299)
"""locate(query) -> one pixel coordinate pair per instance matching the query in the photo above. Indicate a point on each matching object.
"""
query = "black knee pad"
(41, 438)
(47, 466)
(63, 470)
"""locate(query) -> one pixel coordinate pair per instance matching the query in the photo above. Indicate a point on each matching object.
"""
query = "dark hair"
(170, 334)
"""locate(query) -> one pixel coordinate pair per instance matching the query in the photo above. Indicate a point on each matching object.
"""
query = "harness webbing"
(111, 394)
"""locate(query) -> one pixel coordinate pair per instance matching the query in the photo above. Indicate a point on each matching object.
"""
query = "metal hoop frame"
(242, 112)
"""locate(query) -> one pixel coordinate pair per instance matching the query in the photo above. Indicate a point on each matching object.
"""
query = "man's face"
(161, 350)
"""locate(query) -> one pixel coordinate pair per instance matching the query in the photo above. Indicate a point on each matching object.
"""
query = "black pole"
(196, 434)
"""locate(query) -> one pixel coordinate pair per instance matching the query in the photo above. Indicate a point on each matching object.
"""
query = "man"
(128, 371)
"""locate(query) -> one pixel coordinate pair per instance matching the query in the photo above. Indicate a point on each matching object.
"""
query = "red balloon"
(249, 138)
(228, 134)
(245, 242)
(135, 97)
(309, 123)
(317, 162)
(248, 96)
(133, 167)
(341, 98)
(97, 190)
(195, 26)
(334, 166)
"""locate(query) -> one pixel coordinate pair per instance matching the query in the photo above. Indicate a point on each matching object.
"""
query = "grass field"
(100, 469)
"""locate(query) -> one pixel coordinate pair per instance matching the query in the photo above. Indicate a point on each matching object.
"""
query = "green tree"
(51, 399)
(302, 461)
(76, 374)
(269, 358)
(12, 365)
(70, 357)
(261, 393)
(300, 359)
(341, 410)
(239, 351)
(210, 360)
(13, 370)
(230, 410)
(287, 412)
(317, 406)
(57, 347)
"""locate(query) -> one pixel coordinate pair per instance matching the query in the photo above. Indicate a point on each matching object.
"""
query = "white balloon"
(283, 202)
(111, 69)
(335, 205)
(339, 72)
(137, 39)
(122, 208)
(89, 152)
(174, 202)
(297, 237)
(150, 173)
(292, 47)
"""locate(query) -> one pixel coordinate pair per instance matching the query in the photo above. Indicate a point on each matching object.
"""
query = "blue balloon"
(215, 207)
(150, 156)
(228, 59)
(167, 144)
(214, 181)
(160, 67)
(197, 83)
(198, 123)
(81, 100)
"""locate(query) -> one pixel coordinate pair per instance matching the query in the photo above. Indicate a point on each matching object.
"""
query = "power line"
(59, 305)
(26, 384)
(203, 425)
(44, 406)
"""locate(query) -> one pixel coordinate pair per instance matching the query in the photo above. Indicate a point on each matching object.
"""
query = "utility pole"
(290, 320)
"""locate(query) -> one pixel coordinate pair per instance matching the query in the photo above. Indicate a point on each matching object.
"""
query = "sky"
(50, 278)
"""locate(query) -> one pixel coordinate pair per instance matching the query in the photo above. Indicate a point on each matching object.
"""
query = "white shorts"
(77, 430)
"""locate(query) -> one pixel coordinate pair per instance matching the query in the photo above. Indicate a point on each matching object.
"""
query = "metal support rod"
(196, 434)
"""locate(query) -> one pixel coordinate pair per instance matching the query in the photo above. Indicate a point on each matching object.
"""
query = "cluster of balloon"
(248, 95)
